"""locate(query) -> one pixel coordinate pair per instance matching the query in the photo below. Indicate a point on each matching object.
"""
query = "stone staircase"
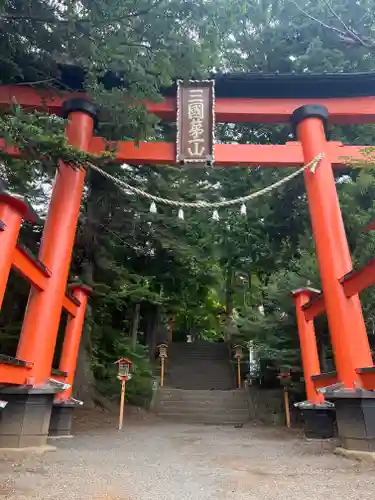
(199, 365)
(200, 386)
(203, 407)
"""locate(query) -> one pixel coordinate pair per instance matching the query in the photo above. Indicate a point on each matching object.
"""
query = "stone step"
(224, 415)
(203, 368)
(224, 384)
(194, 408)
(229, 402)
(232, 393)
(199, 360)
(198, 366)
(208, 419)
(204, 350)
(215, 407)
(214, 366)
(204, 397)
(198, 386)
(188, 362)
(185, 352)
(243, 412)
(195, 377)
(189, 370)
(197, 348)
(199, 355)
(199, 383)
(199, 343)
(200, 403)
(198, 376)
(201, 397)
(189, 350)
(194, 373)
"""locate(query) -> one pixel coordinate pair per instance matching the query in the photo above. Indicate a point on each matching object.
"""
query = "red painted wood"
(31, 98)
(315, 308)
(324, 381)
(252, 155)
(367, 380)
(354, 283)
(17, 375)
(235, 110)
(309, 350)
(288, 155)
(42, 318)
(359, 280)
(344, 313)
(72, 339)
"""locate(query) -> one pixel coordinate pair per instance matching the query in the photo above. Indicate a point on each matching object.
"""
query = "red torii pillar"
(40, 327)
(64, 404)
(13, 209)
(72, 339)
(347, 328)
(309, 348)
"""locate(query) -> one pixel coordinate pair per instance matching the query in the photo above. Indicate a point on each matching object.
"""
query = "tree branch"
(304, 12)
(143, 12)
(38, 19)
(36, 82)
(347, 29)
(348, 35)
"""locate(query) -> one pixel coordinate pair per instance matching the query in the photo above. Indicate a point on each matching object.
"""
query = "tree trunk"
(149, 328)
(152, 327)
(84, 380)
(85, 386)
(228, 303)
(135, 324)
(155, 328)
(322, 355)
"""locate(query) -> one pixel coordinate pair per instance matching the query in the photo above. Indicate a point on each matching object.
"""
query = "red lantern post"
(163, 354)
(285, 378)
(238, 355)
(124, 365)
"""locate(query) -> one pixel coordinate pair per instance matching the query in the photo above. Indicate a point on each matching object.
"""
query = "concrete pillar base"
(355, 412)
(319, 422)
(24, 422)
(61, 420)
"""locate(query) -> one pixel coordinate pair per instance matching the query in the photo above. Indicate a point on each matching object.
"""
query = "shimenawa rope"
(124, 186)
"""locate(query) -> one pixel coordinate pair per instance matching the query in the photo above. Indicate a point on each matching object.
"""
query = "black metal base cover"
(24, 422)
(356, 422)
(61, 420)
(319, 422)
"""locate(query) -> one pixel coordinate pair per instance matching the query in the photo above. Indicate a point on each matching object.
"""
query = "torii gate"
(28, 376)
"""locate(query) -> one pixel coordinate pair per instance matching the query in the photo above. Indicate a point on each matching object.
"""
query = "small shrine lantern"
(163, 354)
(285, 377)
(238, 355)
(124, 365)
(238, 351)
(163, 351)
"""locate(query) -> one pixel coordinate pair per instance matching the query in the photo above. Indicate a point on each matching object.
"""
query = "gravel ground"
(152, 460)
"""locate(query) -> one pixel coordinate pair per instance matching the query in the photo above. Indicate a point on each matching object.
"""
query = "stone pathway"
(152, 460)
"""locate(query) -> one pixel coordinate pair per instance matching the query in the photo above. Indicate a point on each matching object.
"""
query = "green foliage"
(144, 44)
(39, 137)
